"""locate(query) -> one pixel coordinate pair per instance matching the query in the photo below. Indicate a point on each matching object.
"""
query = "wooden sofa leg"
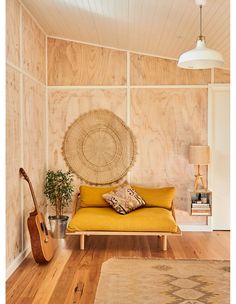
(82, 242)
(159, 241)
(164, 242)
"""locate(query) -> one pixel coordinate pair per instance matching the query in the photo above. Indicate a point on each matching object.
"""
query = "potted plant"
(59, 190)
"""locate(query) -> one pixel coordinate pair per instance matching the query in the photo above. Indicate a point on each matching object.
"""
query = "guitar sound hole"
(44, 228)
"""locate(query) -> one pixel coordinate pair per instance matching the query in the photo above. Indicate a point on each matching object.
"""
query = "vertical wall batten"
(128, 100)
(21, 129)
(32, 17)
(46, 102)
(24, 73)
(46, 119)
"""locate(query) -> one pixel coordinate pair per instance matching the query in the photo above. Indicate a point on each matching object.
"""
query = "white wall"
(219, 141)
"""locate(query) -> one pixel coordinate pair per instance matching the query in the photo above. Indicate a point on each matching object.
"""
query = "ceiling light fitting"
(201, 57)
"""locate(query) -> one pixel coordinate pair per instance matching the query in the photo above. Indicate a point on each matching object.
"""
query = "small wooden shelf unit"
(201, 203)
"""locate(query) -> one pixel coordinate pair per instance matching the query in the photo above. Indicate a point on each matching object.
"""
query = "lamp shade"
(201, 58)
(199, 155)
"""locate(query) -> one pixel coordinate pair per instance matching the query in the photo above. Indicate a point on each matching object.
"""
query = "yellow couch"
(96, 217)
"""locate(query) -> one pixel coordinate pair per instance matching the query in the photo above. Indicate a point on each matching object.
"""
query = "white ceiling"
(159, 27)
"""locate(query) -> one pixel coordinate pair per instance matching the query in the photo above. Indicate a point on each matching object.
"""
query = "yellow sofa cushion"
(156, 197)
(92, 196)
(106, 219)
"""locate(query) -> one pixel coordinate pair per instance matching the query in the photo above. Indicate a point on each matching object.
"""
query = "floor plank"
(72, 276)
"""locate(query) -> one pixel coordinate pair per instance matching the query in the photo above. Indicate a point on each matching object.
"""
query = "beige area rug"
(160, 281)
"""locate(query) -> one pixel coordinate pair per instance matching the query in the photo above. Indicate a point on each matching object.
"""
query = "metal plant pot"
(58, 226)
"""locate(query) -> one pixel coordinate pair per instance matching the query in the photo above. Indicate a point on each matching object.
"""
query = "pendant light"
(201, 57)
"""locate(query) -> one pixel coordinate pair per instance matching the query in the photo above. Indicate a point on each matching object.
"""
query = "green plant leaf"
(59, 189)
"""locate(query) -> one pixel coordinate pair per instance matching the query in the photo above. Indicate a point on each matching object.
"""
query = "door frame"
(211, 88)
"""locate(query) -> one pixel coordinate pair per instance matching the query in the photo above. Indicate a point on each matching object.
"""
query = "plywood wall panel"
(33, 48)
(165, 123)
(13, 161)
(147, 70)
(67, 105)
(221, 76)
(34, 144)
(13, 31)
(25, 128)
(71, 63)
(183, 217)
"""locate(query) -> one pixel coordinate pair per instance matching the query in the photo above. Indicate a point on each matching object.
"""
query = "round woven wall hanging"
(99, 148)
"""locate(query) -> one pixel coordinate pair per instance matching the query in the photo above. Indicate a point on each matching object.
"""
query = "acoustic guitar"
(41, 240)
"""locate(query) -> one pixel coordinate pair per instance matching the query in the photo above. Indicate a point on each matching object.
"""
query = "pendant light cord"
(201, 37)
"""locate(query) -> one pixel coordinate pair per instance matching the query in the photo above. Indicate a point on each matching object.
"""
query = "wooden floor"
(72, 276)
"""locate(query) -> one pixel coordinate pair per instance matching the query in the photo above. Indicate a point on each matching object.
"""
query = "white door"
(219, 142)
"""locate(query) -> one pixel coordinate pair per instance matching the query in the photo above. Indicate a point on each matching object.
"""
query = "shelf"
(201, 203)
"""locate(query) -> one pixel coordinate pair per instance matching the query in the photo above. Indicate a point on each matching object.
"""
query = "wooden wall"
(25, 129)
(165, 122)
(165, 106)
(66, 105)
(149, 70)
(72, 63)
(221, 76)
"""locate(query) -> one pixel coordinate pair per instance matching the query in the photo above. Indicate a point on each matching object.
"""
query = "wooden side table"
(201, 203)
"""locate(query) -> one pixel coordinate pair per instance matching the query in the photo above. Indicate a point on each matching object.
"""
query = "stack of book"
(201, 209)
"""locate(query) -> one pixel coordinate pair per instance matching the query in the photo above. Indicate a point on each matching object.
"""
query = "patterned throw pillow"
(124, 199)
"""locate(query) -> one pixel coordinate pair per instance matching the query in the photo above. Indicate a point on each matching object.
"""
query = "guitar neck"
(24, 174)
(34, 197)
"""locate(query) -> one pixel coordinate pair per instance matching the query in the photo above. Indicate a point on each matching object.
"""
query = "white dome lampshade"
(201, 58)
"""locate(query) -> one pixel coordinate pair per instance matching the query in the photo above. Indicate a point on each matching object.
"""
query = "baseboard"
(16, 263)
(196, 228)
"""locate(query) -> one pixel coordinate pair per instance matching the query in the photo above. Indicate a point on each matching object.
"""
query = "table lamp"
(199, 155)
